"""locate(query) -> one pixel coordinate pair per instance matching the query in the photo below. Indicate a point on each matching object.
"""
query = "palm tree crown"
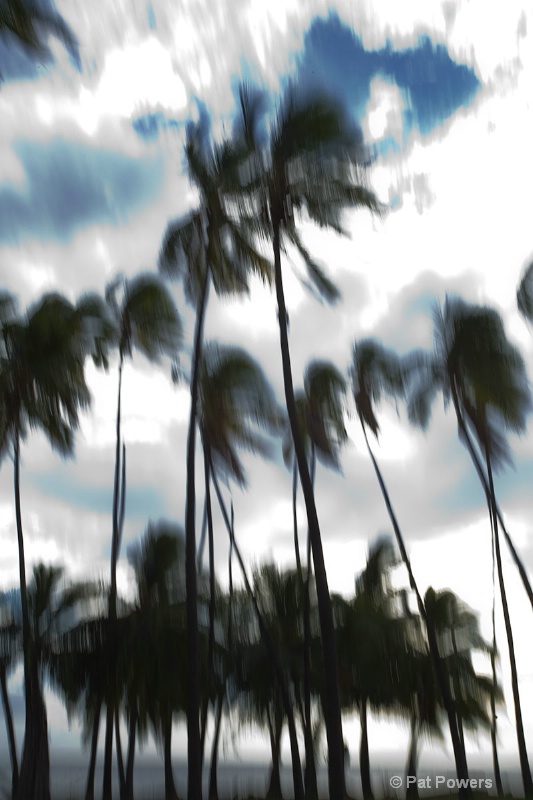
(235, 405)
(475, 366)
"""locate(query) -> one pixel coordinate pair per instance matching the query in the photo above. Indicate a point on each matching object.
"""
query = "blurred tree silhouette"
(320, 412)
(376, 371)
(207, 245)
(141, 315)
(483, 374)
(42, 385)
(312, 162)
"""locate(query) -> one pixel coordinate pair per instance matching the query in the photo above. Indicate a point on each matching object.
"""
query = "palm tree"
(320, 411)
(89, 672)
(156, 685)
(206, 246)
(484, 375)
(234, 402)
(10, 648)
(423, 703)
(42, 385)
(457, 630)
(372, 644)
(312, 163)
(54, 607)
(145, 318)
(259, 702)
(375, 370)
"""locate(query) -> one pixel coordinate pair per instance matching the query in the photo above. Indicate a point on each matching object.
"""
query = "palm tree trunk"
(493, 720)
(332, 707)
(107, 790)
(364, 756)
(170, 789)
(295, 516)
(485, 484)
(458, 748)
(131, 752)
(213, 785)
(107, 779)
(457, 692)
(274, 784)
(120, 759)
(522, 750)
(115, 543)
(194, 750)
(34, 776)
(10, 733)
(271, 650)
(211, 634)
(412, 759)
(89, 791)
(310, 781)
(201, 543)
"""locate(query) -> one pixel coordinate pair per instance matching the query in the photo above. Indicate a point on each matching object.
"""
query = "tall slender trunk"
(310, 781)
(522, 750)
(486, 488)
(213, 784)
(89, 790)
(270, 648)
(194, 750)
(10, 732)
(211, 634)
(457, 690)
(412, 761)
(274, 784)
(170, 788)
(442, 678)
(201, 543)
(364, 756)
(295, 516)
(120, 759)
(493, 718)
(107, 781)
(115, 542)
(332, 707)
(131, 752)
(34, 776)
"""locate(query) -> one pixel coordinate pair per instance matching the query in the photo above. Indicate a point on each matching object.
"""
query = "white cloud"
(384, 112)
(137, 77)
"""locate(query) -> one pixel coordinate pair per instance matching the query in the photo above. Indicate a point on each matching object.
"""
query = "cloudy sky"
(91, 170)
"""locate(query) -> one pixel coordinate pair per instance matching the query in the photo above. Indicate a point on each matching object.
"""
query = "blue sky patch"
(433, 85)
(148, 126)
(70, 186)
(142, 503)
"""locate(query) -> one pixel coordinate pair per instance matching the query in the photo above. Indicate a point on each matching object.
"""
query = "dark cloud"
(71, 185)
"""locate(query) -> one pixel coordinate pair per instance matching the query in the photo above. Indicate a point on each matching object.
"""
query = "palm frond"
(236, 404)
(374, 371)
(524, 295)
(320, 283)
